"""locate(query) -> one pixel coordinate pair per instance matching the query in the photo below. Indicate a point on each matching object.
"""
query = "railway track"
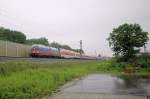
(5, 59)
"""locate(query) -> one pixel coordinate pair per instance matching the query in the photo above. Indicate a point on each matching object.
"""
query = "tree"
(10, 35)
(126, 40)
(18, 37)
(41, 40)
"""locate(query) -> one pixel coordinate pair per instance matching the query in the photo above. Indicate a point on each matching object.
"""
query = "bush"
(143, 61)
(119, 65)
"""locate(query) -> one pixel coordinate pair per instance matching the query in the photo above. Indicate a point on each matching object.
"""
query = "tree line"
(57, 45)
(12, 35)
(19, 37)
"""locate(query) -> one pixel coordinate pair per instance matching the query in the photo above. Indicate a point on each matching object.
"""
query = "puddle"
(109, 84)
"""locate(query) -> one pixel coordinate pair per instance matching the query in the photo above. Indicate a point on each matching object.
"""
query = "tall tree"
(127, 39)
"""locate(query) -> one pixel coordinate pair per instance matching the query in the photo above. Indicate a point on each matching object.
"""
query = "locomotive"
(45, 51)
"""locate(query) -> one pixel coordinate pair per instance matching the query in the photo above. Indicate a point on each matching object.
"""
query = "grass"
(26, 80)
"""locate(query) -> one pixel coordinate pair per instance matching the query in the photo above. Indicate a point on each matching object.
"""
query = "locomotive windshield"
(40, 48)
(35, 48)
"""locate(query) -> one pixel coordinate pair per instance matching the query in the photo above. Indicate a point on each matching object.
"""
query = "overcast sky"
(68, 21)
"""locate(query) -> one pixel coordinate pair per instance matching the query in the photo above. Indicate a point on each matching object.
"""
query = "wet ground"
(100, 86)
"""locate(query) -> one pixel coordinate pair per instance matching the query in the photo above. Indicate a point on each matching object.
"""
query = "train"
(38, 50)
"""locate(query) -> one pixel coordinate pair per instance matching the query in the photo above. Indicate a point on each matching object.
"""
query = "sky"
(69, 21)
